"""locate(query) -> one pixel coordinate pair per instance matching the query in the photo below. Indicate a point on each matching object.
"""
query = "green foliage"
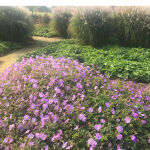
(114, 61)
(15, 24)
(132, 26)
(92, 26)
(45, 20)
(60, 22)
(43, 31)
(6, 47)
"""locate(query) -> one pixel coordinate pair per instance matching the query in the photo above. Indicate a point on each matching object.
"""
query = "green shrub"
(114, 61)
(6, 47)
(15, 24)
(45, 20)
(92, 26)
(132, 26)
(60, 22)
(57, 104)
(43, 31)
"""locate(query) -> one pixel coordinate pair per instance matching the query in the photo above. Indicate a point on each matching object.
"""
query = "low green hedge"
(114, 61)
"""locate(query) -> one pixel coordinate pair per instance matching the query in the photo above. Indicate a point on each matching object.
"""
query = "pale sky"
(75, 2)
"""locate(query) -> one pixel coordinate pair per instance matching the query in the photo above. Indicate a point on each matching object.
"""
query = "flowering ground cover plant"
(58, 103)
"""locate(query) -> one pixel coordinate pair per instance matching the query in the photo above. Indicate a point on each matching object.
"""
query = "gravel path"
(10, 58)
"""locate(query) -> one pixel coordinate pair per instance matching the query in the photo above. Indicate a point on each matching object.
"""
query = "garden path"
(10, 58)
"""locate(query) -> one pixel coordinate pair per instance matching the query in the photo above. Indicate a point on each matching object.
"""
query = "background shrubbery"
(15, 24)
(92, 26)
(132, 26)
(60, 22)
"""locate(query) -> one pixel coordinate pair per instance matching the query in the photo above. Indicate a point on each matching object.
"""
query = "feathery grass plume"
(60, 21)
(15, 24)
(132, 26)
(92, 25)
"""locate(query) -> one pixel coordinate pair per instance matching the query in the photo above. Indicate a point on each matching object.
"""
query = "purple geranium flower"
(82, 117)
(119, 129)
(64, 144)
(26, 117)
(135, 115)
(90, 109)
(102, 120)
(119, 136)
(127, 119)
(107, 104)
(98, 136)
(97, 127)
(92, 142)
(30, 136)
(100, 109)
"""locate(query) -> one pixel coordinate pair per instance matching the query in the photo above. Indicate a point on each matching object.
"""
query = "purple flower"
(119, 136)
(98, 136)
(79, 86)
(107, 104)
(118, 147)
(92, 142)
(45, 106)
(34, 86)
(26, 117)
(64, 144)
(64, 74)
(76, 127)
(143, 122)
(30, 136)
(31, 143)
(110, 144)
(82, 117)
(43, 136)
(100, 109)
(119, 129)
(148, 140)
(11, 127)
(46, 147)
(117, 120)
(97, 126)
(135, 115)
(55, 118)
(22, 145)
(113, 111)
(133, 137)
(102, 120)
(127, 119)
(90, 109)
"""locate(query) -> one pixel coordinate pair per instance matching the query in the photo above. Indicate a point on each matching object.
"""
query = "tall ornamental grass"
(60, 22)
(92, 26)
(132, 26)
(15, 24)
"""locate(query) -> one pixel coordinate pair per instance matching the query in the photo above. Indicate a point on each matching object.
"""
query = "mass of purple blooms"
(57, 103)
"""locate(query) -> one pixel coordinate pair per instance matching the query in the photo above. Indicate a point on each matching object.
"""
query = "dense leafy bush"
(43, 31)
(6, 47)
(15, 24)
(49, 103)
(92, 26)
(132, 26)
(60, 22)
(114, 61)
